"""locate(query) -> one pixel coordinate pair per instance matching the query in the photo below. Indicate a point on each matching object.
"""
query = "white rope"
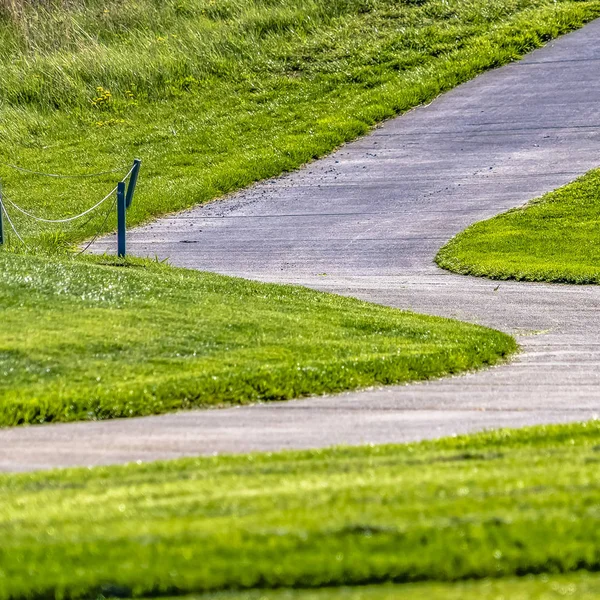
(69, 219)
(89, 210)
(3, 209)
(100, 229)
(57, 176)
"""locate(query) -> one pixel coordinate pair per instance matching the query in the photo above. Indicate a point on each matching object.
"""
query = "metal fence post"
(121, 213)
(133, 181)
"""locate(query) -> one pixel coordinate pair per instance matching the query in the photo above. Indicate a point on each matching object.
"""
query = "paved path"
(367, 222)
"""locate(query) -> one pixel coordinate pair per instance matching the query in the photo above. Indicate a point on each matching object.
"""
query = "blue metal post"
(133, 181)
(121, 212)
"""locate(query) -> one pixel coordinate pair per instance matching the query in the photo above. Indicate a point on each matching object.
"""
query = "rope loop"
(67, 219)
(12, 225)
(60, 176)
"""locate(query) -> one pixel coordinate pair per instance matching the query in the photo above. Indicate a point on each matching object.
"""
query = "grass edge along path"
(553, 238)
(581, 585)
(494, 504)
(94, 341)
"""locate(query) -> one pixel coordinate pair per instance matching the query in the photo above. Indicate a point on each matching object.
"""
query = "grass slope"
(554, 238)
(491, 505)
(216, 95)
(81, 341)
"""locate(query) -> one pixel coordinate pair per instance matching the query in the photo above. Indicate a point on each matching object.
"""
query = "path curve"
(367, 222)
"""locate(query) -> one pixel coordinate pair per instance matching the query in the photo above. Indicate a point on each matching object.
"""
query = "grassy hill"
(88, 342)
(212, 95)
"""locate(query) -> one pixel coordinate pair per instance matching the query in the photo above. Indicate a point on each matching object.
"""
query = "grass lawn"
(86, 341)
(492, 505)
(554, 238)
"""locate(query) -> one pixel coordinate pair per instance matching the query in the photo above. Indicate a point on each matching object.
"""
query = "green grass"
(554, 238)
(486, 506)
(86, 341)
(216, 95)
(580, 585)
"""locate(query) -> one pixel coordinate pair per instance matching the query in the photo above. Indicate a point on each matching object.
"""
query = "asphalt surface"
(367, 222)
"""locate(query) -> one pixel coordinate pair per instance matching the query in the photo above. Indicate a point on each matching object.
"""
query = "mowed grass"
(579, 585)
(486, 506)
(215, 95)
(554, 238)
(87, 341)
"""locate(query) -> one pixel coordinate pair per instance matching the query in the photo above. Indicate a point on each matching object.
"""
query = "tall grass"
(57, 57)
(25, 13)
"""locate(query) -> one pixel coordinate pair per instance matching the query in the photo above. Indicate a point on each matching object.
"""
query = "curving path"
(367, 222)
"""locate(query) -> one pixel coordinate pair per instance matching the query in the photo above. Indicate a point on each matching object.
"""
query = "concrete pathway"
(367, 222)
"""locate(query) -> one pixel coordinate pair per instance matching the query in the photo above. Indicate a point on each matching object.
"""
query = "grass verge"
(580, 585)
(489, 505)
(554, 238)
(90, 341)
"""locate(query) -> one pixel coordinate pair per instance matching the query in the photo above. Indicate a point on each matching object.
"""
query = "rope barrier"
(123, 198)
(35, 218)
(59, 176)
